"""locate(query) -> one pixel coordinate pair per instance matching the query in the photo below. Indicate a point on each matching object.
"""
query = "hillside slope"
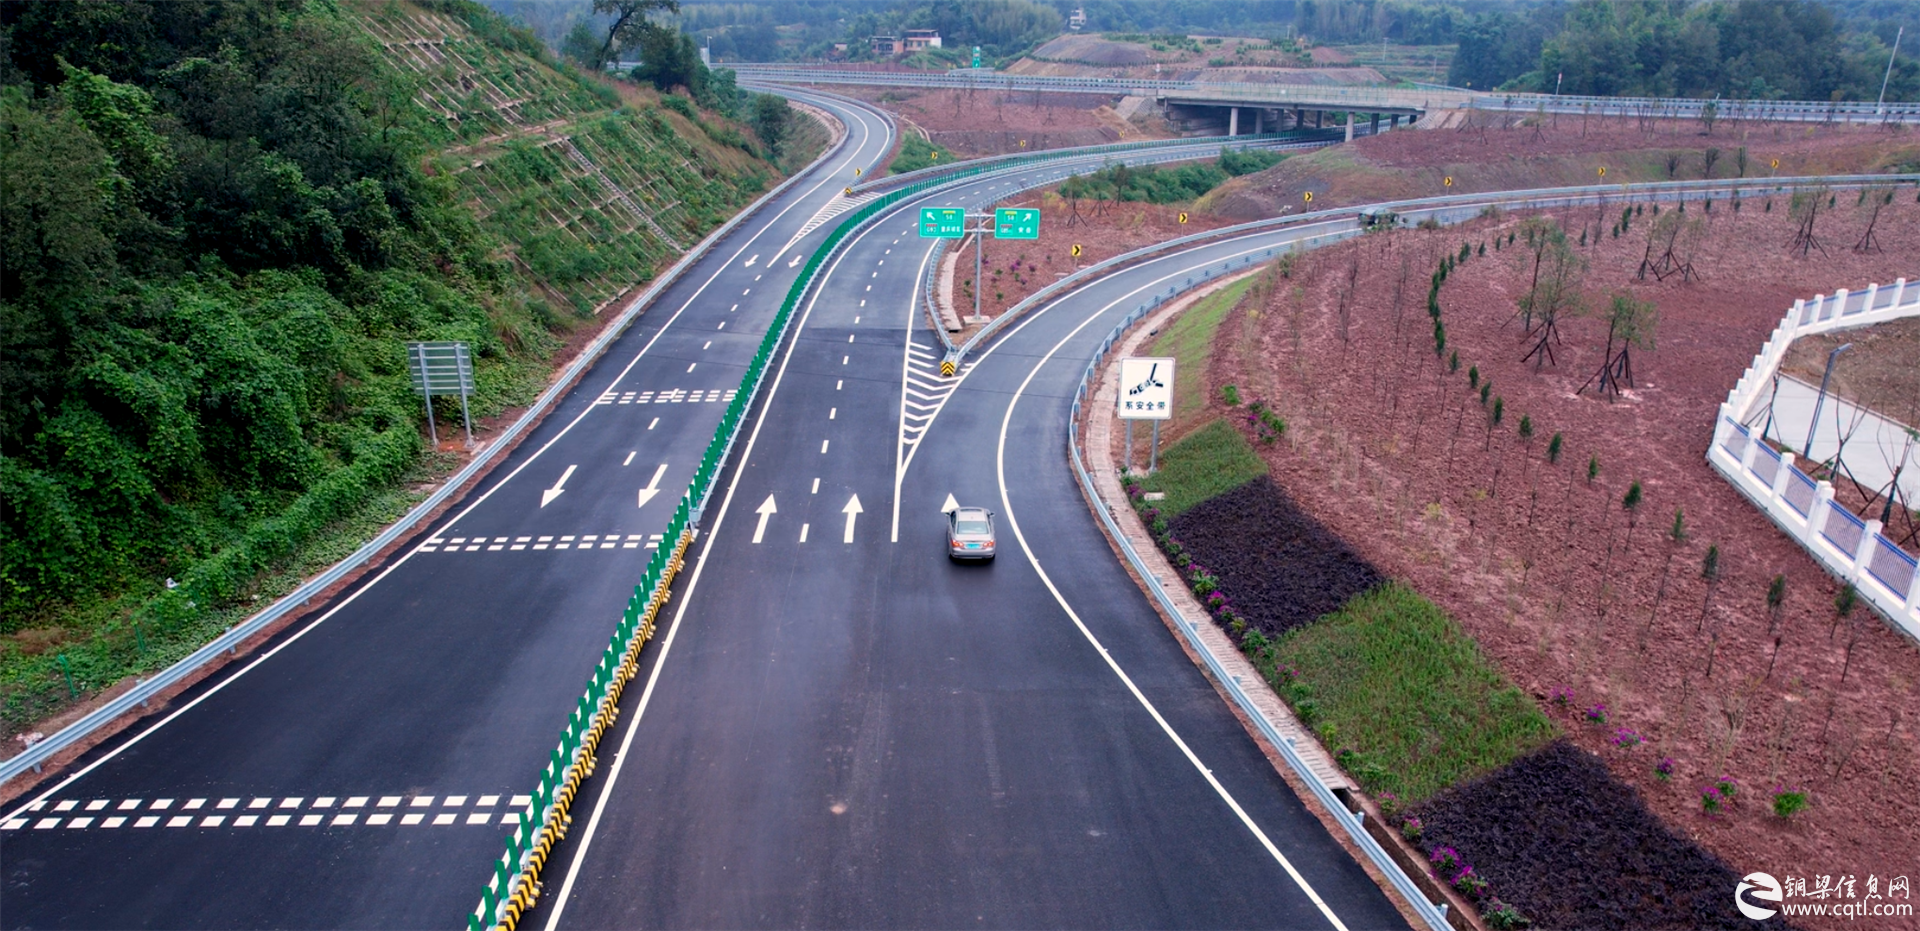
(222, 222)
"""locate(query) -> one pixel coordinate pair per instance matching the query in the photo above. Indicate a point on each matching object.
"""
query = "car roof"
(975, 513)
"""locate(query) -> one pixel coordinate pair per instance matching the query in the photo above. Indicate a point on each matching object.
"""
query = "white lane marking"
(733, 308)
(630, 456)
(1013, 523)
(849, 337)
(816, 485)
(746, 292)
(853, 511)
(653, 487)
(691, 365)
(906, 371)
(547, 495)
(843, 359)
(823, 446)
(708, 346)
(655, 423)
(766, 511)
(832, 411)
(837, 383)
(722, 326)
(803, 539)
(673, 629)
(856, 318)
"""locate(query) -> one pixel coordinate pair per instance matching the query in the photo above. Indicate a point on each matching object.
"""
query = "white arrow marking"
(756, 258)
(547, 496)
(950, 506)
(653, 487)
(852, 510)
(765, 510)
(796, 260)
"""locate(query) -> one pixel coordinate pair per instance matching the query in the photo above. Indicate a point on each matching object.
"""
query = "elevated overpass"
(1251, 107)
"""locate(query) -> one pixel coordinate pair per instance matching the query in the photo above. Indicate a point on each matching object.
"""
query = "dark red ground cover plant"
(1554, 834)
(1279, 568)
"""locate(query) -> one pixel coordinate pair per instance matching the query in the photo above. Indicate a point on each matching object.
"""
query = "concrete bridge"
(1247, 107)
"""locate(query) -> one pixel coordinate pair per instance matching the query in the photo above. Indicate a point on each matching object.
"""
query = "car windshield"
(971, 525)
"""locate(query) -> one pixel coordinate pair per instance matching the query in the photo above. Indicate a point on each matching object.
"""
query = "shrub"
(1711, 801)
(1626, 737)
(1788, 802)
(1664, 768)
(1597, 714)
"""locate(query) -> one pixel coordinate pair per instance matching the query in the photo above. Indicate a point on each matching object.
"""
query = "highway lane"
(355, 774)
(841, 729)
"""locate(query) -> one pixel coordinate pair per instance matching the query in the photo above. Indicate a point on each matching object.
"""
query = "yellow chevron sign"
(946, 368)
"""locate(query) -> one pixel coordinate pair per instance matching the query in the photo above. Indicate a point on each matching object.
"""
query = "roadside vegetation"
(1401, 694)
(222, 223)
(917, 153)
(1189, 341)
(1209, 461)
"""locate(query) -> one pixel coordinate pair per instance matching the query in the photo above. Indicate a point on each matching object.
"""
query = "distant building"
(918, 39)
(1078, 20)
(884, 45)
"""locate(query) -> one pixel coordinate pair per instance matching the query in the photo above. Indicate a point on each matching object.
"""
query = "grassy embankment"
(1390, 682)
(522, 199)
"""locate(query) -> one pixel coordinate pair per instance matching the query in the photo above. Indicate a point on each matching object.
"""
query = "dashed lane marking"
(486, 809)
(587, 541)
(675, 396)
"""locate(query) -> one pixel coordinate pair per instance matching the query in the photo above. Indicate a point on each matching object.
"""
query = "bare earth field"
(1395, 454)
(979, 123)
(1486, 157)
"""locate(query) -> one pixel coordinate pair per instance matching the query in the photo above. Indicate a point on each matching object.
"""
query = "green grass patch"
(917, 153)
(1208, 461)
(1401, 694)
(1190, 341)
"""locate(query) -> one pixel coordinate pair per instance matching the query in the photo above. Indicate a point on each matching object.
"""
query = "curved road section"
(356, 772)
(841, 728)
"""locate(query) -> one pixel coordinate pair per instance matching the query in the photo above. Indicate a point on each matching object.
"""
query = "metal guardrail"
(1434, 915)
(929, 280)
(1422, 97)
(1443, 208)
(1016, 159)
(147, 689)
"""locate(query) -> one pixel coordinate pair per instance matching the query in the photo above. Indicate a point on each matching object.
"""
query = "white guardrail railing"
(1283, 96)
(147, 689)
(1432, 913)
(1850, 548)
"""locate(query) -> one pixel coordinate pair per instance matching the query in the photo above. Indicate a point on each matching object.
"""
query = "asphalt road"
(355, 772)
(841, 728)
(437, 687)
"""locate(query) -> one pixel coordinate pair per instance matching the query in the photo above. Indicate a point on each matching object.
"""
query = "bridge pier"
(1376, 124)
(1259, 117)
(1233, 121)
(1349, 125)
(1299, 118)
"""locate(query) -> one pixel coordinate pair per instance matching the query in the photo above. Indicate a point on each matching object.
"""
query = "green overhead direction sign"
(943, 222)
(1016, 223)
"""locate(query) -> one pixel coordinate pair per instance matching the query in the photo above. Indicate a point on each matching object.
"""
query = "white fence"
(1887, 577)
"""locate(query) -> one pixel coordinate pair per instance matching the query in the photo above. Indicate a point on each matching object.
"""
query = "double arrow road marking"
(767, 509)
(646, 494)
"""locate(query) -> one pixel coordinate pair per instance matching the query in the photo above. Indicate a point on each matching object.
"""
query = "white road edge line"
(228, 680)
(666, 646)
(1013, 522)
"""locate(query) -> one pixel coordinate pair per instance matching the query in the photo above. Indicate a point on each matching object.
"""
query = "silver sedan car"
(970, 533)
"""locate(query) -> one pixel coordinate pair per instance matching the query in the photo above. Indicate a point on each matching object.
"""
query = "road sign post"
(1146, 393)
(444, 368)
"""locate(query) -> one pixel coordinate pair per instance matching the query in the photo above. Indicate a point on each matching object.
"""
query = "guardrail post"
(1863, 553)
(1817, 514)
(1778, 492)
